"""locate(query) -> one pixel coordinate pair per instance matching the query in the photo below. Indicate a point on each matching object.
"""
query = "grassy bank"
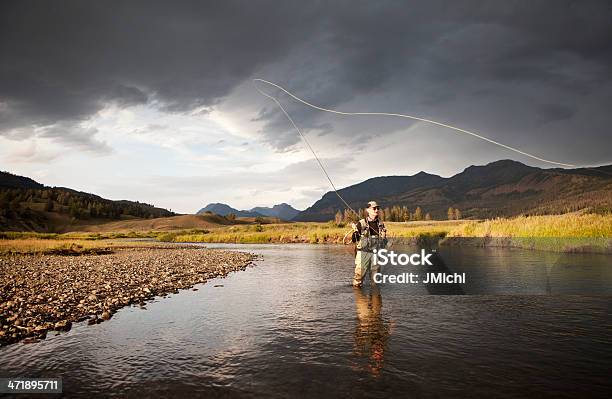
(564, 233)
(575, 232)
(568, 225)
(16, 235)
(67, 246)
(308, 232)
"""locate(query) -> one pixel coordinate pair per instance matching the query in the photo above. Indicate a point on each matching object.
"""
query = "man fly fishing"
(368, 234)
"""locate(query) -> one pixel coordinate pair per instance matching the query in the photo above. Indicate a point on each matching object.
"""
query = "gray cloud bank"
(528, 74)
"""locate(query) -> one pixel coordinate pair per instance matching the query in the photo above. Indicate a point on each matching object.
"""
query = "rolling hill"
(26, 205)
(179, 222)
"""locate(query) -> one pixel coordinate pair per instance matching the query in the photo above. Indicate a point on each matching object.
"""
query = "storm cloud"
(534, 75)
(64, 62)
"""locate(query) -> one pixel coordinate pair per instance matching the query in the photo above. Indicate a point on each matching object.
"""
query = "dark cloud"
(503, 69)
(65, 62)
(512, 70)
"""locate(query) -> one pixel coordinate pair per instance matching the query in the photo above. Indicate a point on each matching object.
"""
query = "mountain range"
(499, 189)
(282, 211)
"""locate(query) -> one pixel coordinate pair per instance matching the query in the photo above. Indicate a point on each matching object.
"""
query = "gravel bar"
(39, 293)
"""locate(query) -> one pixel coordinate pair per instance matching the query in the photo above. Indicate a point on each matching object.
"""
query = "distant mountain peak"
(224, 210)
(282, 211)
(423, 174)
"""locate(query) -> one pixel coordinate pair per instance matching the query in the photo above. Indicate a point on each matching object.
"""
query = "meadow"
(569, 232)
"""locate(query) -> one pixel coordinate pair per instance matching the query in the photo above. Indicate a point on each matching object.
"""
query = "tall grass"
(568, 225)
(565, 233)
(308, 232)
(67, 246)
(576, 231)
(46, 246)
(14, 235)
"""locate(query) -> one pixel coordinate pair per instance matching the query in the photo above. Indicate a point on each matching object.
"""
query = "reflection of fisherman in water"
(371, 333)
(369, 234)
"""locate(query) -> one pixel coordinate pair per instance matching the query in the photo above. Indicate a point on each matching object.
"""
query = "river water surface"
(525, 324)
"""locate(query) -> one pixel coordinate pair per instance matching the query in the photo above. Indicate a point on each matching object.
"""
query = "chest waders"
(366, 245)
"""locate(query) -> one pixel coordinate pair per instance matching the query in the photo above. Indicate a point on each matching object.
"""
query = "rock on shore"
(39, 293)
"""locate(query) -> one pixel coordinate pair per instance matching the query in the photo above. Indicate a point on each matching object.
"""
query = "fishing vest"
(368, 242)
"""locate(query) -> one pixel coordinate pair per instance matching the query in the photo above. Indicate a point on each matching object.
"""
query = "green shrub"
(166, 237)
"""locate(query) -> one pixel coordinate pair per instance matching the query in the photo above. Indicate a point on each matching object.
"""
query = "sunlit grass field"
(561, 226)
(48, 246)
(575, 231)
(67, 244)
(568, 225)
(306, 232)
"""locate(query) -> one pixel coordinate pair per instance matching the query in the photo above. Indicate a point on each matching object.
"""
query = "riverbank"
(68, 246)
(39, 293)
(574, 232)
(308, 232)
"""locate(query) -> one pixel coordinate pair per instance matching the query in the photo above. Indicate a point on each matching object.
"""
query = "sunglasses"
(376, 208)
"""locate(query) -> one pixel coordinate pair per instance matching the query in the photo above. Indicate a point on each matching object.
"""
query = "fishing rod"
(316, 157)
(308, 144)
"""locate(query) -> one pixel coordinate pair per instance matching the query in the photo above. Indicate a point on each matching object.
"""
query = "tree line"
(395, 214)
(76, 204)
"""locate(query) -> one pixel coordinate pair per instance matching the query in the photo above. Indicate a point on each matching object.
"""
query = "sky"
(155, 101)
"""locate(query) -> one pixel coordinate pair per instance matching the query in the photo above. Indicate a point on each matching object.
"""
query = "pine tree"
(457, 214)
(450, 213)
(427, 216)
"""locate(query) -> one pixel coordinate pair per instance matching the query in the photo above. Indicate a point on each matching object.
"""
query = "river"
(524, 324)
